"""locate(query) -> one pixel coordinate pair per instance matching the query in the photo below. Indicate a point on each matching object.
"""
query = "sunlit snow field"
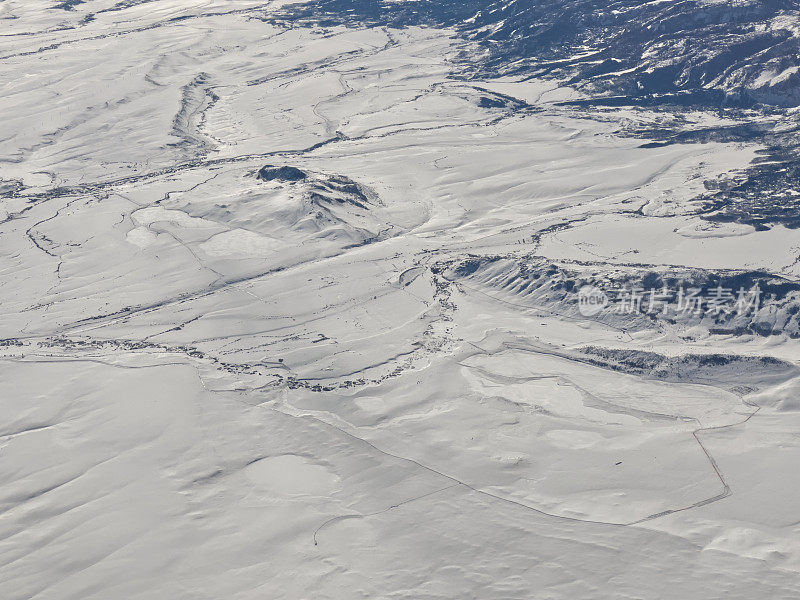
(219, 381)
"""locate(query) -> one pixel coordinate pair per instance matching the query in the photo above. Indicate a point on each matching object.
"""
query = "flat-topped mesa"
(273, 173)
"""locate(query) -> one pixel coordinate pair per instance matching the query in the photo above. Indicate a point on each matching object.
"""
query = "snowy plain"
(220, 381)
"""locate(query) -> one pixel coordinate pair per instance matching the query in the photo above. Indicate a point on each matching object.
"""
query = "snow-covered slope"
(408, 299)
(688, 52)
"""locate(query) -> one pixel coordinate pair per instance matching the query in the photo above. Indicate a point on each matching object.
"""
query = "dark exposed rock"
(694, 368)
(289, 174)
(338, 189)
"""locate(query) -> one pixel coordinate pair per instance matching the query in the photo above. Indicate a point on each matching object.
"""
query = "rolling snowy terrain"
(409, 299)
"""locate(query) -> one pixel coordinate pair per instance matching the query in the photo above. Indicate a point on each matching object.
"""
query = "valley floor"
(366, 376)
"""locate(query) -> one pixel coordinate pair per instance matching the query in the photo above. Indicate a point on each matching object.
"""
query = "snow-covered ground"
(269, 326)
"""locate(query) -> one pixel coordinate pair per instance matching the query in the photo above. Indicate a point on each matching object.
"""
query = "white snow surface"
(216, 387)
